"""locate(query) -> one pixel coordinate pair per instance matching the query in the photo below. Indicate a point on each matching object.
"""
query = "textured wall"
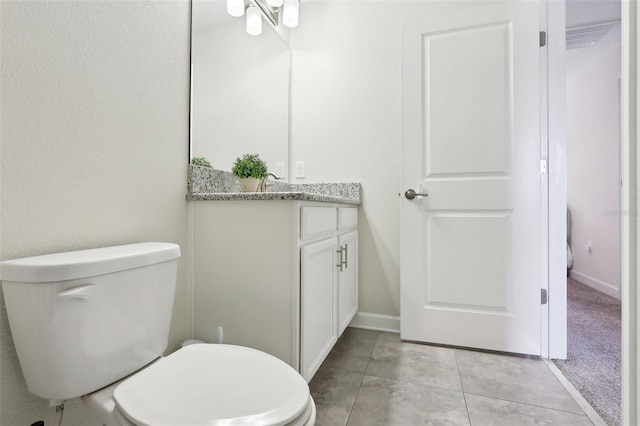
(346, 122)
(94, 134)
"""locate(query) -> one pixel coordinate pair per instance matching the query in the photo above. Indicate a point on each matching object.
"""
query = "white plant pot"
(249, 184)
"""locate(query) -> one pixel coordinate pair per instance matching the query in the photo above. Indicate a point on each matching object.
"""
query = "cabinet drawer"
(317, 221)
(347, 218)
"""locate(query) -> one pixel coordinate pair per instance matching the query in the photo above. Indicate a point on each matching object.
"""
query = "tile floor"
(372, 378)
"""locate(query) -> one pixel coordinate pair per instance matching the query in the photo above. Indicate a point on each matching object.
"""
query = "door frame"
(629, 135)
(555, 324)
(630, 115)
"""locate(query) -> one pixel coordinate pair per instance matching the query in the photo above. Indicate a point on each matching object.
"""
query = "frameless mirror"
(240, 89)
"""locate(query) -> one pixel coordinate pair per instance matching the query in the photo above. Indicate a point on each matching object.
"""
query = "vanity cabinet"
(328, 279)
(279, 276)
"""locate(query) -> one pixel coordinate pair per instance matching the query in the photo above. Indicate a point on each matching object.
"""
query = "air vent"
(588, 35)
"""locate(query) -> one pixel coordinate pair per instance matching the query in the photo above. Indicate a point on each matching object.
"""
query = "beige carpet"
(593, 361)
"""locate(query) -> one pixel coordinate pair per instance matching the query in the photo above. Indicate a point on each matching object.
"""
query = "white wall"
(346, 122)
(593, 161)
(95, 107)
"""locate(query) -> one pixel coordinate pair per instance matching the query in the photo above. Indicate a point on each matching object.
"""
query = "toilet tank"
(82, 320)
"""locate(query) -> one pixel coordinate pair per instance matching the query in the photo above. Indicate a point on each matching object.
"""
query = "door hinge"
(543, 296)
(543, 38)
(543, 167)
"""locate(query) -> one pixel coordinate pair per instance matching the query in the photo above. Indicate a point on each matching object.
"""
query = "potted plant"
(201, 161)
(250, 169)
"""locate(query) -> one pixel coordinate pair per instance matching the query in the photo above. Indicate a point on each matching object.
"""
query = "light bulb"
(254, 21)
(290, 13)
(275, 3)
(235, 7)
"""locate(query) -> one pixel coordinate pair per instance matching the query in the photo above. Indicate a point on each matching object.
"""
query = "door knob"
(410, 194)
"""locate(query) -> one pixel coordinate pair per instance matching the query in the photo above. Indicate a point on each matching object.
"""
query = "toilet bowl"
(208, 384)
(104, 316)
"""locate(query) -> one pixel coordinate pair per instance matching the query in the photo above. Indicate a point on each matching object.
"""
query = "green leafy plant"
(201, 161)
(250, 165)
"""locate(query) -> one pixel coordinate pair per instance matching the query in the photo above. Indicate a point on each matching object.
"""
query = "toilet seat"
(208, 384)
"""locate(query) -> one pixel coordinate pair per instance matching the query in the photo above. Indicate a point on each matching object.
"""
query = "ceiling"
(585, 12)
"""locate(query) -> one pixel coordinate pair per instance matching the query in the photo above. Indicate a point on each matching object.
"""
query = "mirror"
(240, 89)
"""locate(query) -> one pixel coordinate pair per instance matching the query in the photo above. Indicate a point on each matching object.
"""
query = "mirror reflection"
(240, 89)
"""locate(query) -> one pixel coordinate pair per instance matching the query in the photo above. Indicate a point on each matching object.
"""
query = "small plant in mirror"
(250, 165)
(201, 161)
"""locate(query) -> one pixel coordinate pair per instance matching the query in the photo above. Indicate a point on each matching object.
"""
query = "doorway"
(594, 239)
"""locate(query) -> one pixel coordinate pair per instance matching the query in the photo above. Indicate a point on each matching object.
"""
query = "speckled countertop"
(272, 195)
(210, 184)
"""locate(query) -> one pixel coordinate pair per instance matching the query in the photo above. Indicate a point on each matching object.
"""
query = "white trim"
(376, 322)
(628, 285)
(596, 284)
(544, 181)
(577, 396)
(190, 271)
(556, 82)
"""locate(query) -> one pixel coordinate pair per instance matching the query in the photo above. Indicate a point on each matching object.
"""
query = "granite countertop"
(210, 184)
(300, 196)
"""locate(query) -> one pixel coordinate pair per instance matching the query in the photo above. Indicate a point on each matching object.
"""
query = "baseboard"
(596, 284)
(376, 322)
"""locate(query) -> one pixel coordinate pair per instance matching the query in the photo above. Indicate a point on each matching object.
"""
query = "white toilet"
(94, 324)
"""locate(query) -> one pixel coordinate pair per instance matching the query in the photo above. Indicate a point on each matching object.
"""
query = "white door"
(471, 253)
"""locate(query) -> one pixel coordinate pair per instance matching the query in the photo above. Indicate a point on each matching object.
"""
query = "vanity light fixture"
(235, 7)
(275, 3)
(254, 20)
(290, 13)
(283, 12)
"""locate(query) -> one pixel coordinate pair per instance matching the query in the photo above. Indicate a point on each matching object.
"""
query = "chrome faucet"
(263, 182)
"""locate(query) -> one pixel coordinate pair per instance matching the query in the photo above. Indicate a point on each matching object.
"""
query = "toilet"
(95, 323)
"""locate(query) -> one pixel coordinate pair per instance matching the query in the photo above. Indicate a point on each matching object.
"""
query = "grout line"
(361, 380)
(371, 353)
(532, 405)
(464, 395)
(354, 400)
(395, 379)
(588, 410)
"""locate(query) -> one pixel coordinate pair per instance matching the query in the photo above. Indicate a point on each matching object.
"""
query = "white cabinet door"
(347, 280)
(318, 311)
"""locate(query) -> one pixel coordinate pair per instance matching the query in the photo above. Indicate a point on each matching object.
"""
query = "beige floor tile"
(414, 363)
(411, 384)
(352, 351)
(513, 378)
(383, 402)
(485, 411)
(334, 392)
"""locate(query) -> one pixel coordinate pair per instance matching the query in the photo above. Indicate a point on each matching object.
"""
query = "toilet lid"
(207, 384)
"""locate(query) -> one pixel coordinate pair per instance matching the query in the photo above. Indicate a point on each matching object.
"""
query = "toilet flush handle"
(83, 292)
